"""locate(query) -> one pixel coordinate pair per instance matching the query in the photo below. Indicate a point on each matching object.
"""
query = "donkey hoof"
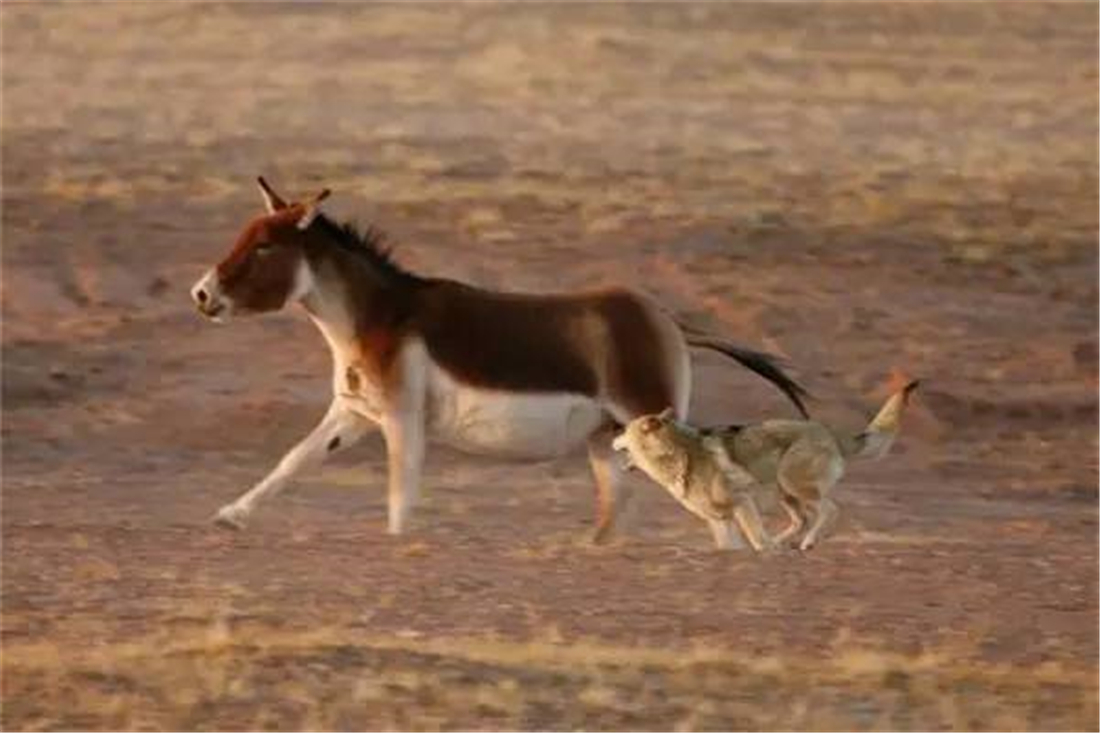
(230, 517)
(601, 536)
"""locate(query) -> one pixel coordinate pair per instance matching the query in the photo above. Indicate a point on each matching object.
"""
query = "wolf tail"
(879, 435)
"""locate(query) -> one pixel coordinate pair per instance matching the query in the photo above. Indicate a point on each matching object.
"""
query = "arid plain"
(860, 188)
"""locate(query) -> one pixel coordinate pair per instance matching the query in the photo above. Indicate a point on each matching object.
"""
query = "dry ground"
(856, 187)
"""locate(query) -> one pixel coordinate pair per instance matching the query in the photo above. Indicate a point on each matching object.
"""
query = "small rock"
(1086, 354)
(606, 223)
(483, 217)
(973, 254)
(770, 219)
(157, 286)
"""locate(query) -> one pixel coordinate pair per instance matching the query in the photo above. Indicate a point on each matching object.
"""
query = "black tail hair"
(766, 365)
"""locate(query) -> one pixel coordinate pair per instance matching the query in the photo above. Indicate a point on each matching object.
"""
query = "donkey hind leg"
(612, 493)
(726, 534)
(338, 429)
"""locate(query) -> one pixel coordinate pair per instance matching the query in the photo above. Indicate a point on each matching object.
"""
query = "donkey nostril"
(200, 295)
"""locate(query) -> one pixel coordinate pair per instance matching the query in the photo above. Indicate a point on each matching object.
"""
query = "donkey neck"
(354, 306)
(329, 310)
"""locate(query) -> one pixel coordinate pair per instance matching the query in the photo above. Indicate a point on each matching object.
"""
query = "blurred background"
(861, 188)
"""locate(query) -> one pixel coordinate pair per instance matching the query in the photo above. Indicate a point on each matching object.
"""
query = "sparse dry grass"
(254, 676)
(849, 185)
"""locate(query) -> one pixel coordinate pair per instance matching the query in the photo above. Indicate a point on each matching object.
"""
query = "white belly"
(529, 425)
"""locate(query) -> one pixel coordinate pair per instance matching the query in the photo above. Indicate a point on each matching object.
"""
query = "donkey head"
(266, 268)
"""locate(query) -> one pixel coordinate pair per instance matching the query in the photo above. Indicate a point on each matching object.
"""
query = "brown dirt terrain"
(856, 187)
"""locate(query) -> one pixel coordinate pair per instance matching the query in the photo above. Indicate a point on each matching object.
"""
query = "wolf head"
(648, 439)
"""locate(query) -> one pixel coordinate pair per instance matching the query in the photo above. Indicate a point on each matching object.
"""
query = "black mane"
(369, 245)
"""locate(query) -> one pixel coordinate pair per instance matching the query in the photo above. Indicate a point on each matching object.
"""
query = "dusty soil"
(858, 188)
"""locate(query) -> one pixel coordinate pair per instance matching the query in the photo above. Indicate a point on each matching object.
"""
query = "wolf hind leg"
(796, 516)
(806, 474)
(827, 511)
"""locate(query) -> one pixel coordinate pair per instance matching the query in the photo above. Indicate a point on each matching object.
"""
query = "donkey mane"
(370, 245)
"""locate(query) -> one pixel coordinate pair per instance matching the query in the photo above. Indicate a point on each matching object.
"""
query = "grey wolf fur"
(718, 474)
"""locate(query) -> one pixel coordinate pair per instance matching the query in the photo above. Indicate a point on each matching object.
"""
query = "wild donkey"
(505, 374)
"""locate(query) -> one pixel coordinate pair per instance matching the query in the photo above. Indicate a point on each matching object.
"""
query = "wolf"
(694, 468)
(718, 474)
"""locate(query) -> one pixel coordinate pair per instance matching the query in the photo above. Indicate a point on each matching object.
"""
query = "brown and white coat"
(504, 374)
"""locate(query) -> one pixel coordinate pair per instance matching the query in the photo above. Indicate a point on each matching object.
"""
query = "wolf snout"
(620, 446)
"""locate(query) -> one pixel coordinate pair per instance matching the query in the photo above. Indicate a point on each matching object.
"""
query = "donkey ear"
(313, 209)
(272, 200)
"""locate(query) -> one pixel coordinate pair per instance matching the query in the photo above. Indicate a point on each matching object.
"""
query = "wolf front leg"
(748, 519)
(338, 429)
(733, 490)
(726, 534)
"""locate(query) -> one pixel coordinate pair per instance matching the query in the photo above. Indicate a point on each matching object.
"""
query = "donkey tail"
(768, 366)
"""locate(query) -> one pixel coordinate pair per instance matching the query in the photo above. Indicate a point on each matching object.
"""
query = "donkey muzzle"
(207, 296)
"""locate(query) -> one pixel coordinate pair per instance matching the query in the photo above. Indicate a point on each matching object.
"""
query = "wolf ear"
(313, 209)
(272, 201)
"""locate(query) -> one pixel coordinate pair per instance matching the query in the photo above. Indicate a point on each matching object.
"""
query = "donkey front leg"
(338, 429)
(404, 433)
(403, 425)
(612, 495)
